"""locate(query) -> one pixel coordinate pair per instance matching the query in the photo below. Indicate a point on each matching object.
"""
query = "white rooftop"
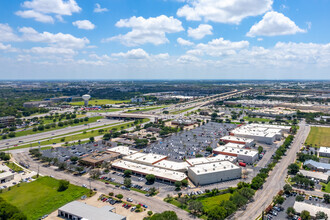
(313, 209)
(89, 212)
(172, 165)
(324, 150)
(5, 174)
(237, 151)
(204, 160)
(150, 158)
(234, 145)
(234, 138)
(134, 156)
(213, 167)
(123, 150)
(146, 169)
(316, 175)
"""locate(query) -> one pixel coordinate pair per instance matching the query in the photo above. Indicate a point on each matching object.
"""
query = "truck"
(242, 164)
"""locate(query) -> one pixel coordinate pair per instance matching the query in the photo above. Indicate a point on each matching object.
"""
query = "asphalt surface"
(155, 203)
(276, 179)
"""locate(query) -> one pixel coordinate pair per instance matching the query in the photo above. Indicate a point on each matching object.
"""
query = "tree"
(127, 182)
(91, 139)
(238, 199)
(305, 215)
(247, 192)
(293, 169)
(257, 182)
(184, 182)
(150, 213)
(95, 173)
(119, 196)
(165, 216)
(214, 116)
(279, 199)
(299, 198)
(177, 185)
(152, 191)
(260, 149)
(217, 213)
(195, 206)
(287, 189)
(209, 149)
(63, 185)
(326, 198)
(127, 173)
(150, 178)
(290, 211)
(321, 215)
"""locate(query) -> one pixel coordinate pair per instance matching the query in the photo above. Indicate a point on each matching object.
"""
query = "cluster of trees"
(303, 157)
(4, 156)
(8, 211)
(163, 216)
(63, 185)
(310, 117)
(303, 181)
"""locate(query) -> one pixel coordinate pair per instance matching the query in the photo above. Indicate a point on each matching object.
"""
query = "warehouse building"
(173, 165)
(6, 177)
(80, 211)
(7, 121)
(122, 150)
(273, 112)
(324, 152)
(323, 177)
(260, 132)
(314, 165)
(240, 146)
(247, 156)
(143, 158)
(204, 160)
(210, 173)
(312, 209)
(164, 175)
(238, 140)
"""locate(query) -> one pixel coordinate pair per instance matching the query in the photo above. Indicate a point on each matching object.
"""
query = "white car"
(84, 185)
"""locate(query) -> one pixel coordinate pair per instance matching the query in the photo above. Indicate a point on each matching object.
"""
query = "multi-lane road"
(276, 179)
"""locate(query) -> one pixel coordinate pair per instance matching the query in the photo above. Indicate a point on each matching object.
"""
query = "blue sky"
(164, 39)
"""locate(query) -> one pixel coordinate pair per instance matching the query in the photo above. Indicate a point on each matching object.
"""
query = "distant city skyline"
(164, 39)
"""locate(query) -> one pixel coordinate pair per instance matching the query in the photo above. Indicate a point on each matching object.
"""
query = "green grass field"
(256, 119)
(14, 167)
(319, 136)
(101, 102)
(41, 197)
(211, 202)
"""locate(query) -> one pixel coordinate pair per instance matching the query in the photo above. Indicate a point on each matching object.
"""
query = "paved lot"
(186, 144)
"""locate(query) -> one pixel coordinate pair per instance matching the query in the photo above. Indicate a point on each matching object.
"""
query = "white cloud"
(309, 25)
(151, 30)
(42, 10)
(187, 59)
(84, 24)
(132, 54)
(7, 33)
(218, 47)
(274, 24)
(184, 42)
(162, 56)
(98, 8)
(55, 40)
(7, 48)
(200, 32)
(36, 15)
(51, 50)
(223, 11)
(90, 62)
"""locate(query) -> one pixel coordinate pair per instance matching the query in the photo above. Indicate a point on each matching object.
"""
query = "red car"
(123, 204)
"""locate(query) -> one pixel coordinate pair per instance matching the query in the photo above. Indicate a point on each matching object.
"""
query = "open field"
(13, 166)
(327, 187)
(211, 202)
(41, 197)
(100, 102)
(319, 136)
(256, 119)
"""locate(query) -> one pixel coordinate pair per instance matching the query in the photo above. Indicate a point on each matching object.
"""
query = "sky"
(164, 39)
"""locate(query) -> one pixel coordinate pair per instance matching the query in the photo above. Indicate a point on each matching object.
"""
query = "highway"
(49, 134)
(276, 179)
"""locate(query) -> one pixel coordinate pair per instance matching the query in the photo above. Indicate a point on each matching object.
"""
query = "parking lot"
(22, 176)
(186, 144)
